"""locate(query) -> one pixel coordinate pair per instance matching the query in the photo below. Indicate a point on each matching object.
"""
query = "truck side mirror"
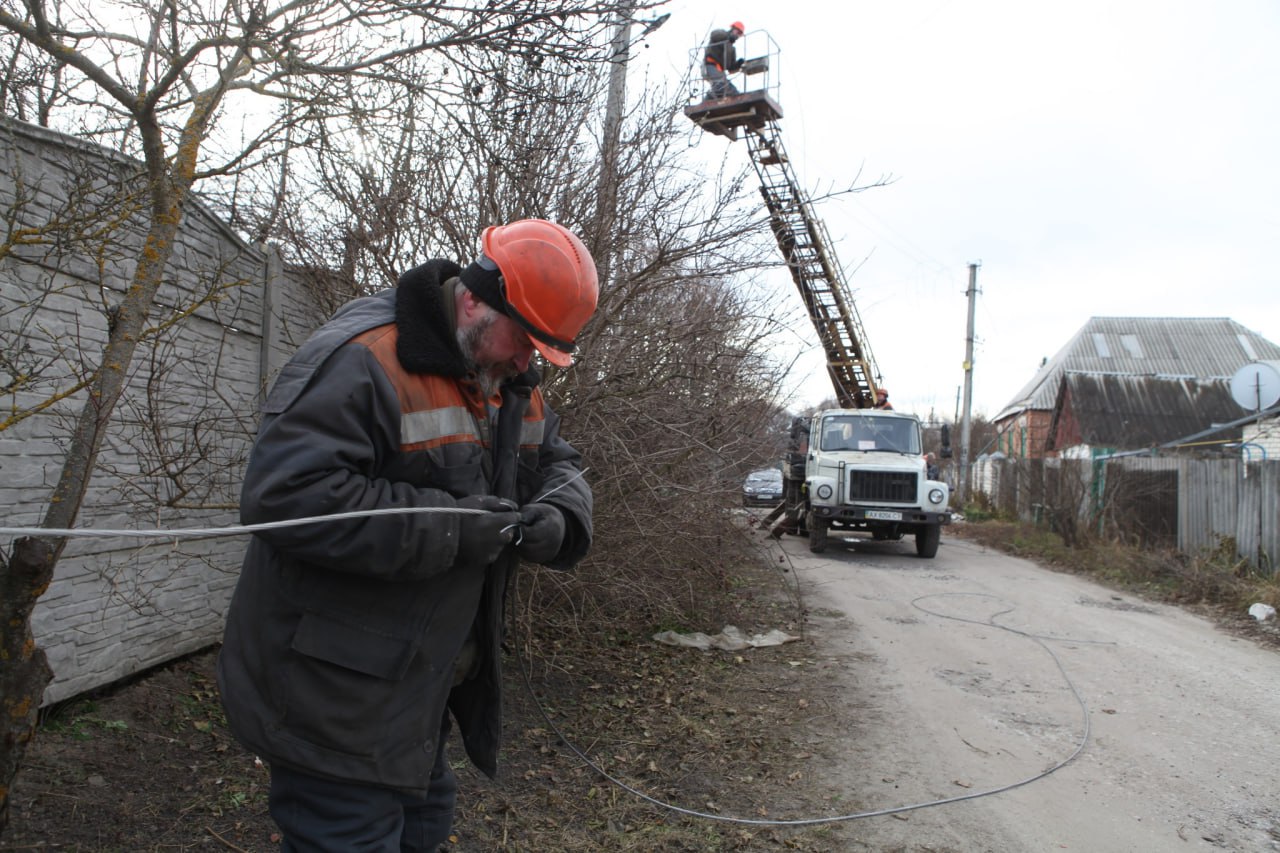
(946, 442)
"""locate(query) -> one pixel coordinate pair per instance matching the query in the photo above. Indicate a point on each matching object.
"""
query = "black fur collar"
(425, 321)
(427, 343)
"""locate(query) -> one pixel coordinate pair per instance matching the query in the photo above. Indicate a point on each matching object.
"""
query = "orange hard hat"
(737, 25)
(549, 282)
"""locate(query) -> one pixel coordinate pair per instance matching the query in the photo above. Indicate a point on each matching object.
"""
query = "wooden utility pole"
(607, 193)
(972, 293)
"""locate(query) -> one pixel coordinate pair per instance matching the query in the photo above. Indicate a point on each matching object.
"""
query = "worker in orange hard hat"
(721, 59)
(352, 646)
(882, 399)
(540, 276)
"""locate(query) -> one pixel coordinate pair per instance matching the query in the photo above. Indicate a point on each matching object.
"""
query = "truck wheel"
(817, 536)
(927, 540)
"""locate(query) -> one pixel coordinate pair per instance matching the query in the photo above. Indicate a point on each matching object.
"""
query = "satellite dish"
(1256, 386)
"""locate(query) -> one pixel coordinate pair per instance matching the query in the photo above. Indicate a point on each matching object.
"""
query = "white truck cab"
(865, 470)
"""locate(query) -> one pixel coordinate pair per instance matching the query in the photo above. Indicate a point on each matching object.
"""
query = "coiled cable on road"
(816, 821)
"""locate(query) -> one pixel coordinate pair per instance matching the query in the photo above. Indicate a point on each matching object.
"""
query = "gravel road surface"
(975, 671)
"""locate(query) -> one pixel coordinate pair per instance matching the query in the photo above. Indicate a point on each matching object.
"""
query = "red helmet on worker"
(882, 392)
(738, 25)
(547, 282)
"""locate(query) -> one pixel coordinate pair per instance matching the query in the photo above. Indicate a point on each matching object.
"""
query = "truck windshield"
(859, 432)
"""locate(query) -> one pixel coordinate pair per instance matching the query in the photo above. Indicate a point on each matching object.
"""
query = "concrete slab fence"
(227, 318)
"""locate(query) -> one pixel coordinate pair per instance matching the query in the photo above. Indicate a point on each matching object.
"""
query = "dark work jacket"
(341, 637)
(721, 53)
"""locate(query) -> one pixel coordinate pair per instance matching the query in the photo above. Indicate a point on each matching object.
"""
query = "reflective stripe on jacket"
(341, 637)
(435, 411)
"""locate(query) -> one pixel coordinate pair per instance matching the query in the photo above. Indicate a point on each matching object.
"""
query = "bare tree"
(508, 143)
(676, 394)
(201, 93)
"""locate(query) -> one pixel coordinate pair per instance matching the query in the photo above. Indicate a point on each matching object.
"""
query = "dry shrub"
(671, 411)
(1218, 577)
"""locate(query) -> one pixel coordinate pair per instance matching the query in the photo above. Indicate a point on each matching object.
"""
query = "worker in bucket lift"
(882, 399)
(350, 642)
(720, 60)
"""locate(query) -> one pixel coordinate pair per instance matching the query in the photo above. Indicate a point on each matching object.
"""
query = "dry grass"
(1218, 583)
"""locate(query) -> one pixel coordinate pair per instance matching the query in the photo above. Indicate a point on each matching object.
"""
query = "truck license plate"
(884, 515)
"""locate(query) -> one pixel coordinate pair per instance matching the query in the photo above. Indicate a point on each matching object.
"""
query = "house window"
(1100, 344)
(1131, 344)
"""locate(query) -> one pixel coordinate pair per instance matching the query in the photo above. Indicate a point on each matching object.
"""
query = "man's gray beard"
(468, 342)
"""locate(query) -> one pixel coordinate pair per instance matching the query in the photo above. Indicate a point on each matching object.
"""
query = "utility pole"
(972, 293)
(619, 53)
(607, 194)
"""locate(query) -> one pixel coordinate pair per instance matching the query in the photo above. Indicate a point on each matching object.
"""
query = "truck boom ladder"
(801, 235)
(806, 246)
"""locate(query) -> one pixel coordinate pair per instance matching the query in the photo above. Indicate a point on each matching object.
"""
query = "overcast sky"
(1097, 159)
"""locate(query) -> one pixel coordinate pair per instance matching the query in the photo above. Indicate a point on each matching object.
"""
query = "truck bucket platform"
(723, 116)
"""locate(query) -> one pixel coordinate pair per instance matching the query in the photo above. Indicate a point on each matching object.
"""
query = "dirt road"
(980, 671)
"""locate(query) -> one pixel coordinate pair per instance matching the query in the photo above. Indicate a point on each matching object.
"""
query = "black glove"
(480, 537)
(542, 531)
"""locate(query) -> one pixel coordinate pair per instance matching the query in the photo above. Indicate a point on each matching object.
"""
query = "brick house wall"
(1024, 435)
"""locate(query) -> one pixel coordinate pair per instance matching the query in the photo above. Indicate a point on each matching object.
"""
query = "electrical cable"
(239, 529)
(987, 792)
(235, 530)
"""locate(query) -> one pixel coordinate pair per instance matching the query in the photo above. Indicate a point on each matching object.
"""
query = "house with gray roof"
(1109, 412)
(1197, 349)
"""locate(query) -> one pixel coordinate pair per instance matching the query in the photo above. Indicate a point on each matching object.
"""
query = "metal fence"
(1192, 505)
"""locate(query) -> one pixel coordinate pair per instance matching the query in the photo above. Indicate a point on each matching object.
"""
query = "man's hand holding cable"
(542, 532)
(482, 536)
